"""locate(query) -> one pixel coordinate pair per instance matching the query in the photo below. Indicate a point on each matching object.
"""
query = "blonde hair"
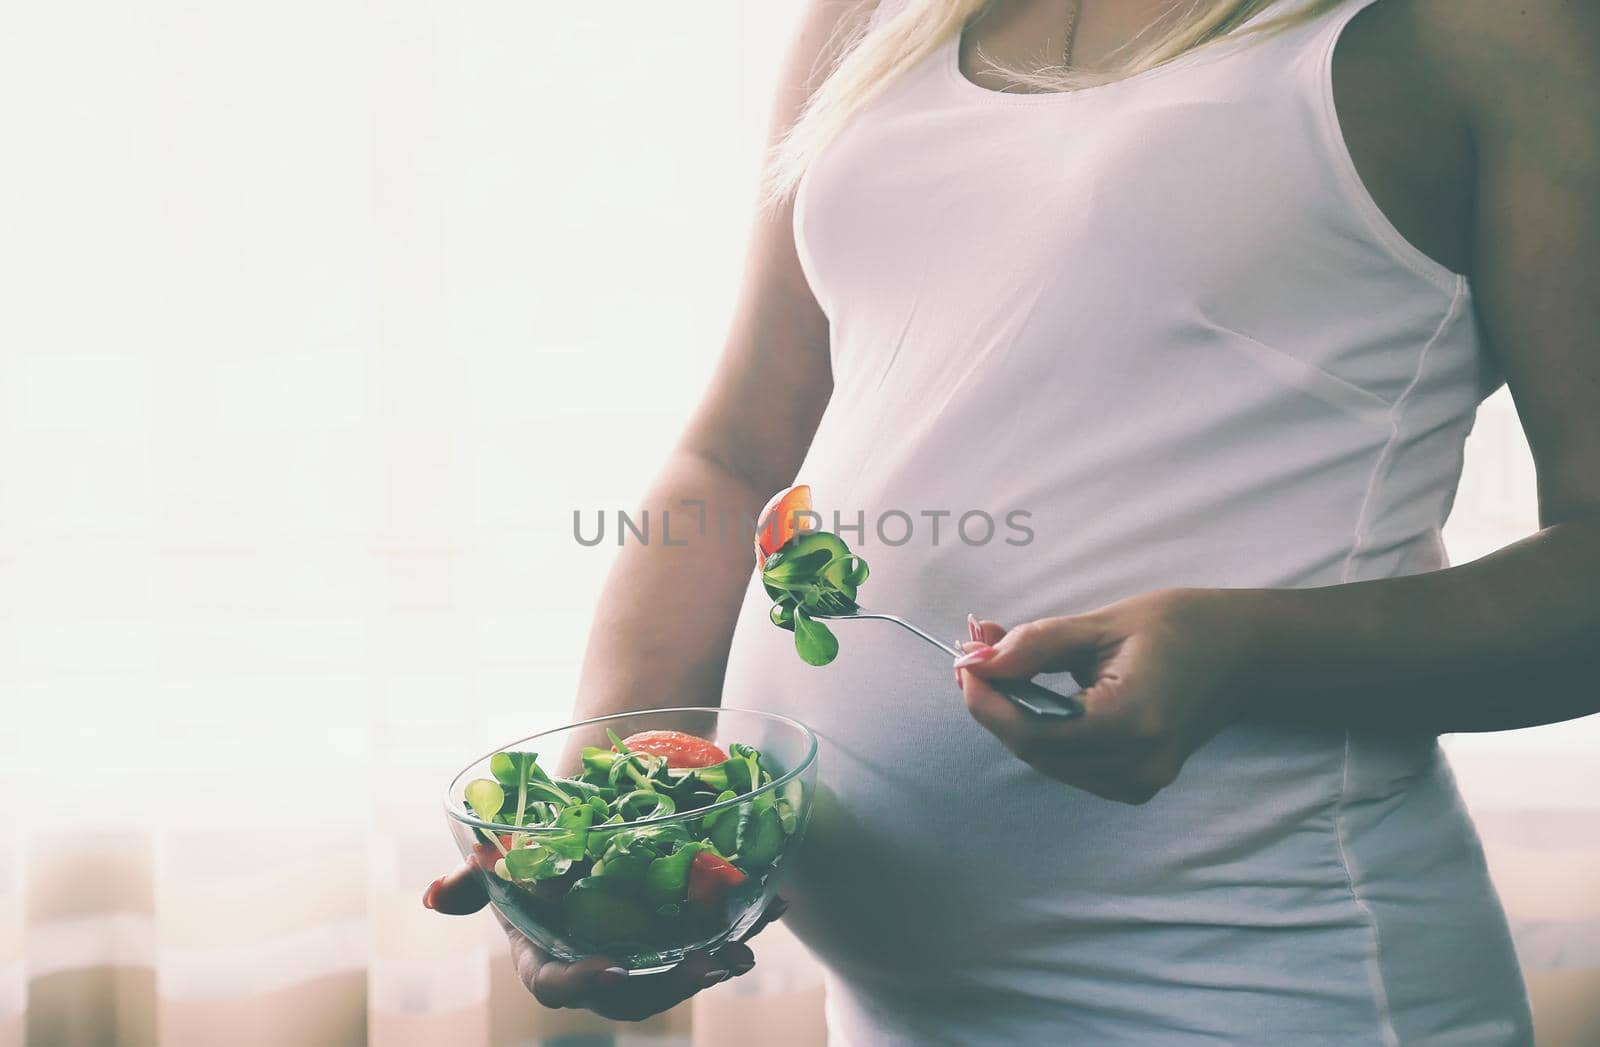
(901, 40)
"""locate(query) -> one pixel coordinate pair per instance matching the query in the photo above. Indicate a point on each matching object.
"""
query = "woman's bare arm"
(666, 613)
(1509, 640)
(660, 636)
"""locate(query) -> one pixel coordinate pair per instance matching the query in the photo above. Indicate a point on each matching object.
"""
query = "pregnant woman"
(1208, 294)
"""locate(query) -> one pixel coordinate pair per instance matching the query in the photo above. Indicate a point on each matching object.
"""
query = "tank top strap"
(1308, 37)
(1315, 37)
(1310, 70)
(1332, 21)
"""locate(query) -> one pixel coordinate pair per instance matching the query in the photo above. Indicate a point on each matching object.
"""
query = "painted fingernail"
(713, 977)
(974, 630)
(975, 656)
(614, 975)
(427, 896)
(743, 967)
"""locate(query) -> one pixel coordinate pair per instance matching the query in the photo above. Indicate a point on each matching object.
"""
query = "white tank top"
(1164, 319)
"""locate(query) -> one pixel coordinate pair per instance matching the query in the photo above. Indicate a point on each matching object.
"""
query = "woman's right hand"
(598, 984)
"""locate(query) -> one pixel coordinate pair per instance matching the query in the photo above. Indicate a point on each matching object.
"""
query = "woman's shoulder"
(1507, 62)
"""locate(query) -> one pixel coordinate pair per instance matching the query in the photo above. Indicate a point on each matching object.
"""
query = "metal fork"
(1024, 694)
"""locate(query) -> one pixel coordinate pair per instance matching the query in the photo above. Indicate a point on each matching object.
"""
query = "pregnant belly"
(935, 857)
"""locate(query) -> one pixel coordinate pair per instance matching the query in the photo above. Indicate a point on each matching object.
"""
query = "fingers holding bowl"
(457, 893)
(599, 983)
(630, 999)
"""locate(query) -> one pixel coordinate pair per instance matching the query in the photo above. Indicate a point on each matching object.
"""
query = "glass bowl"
(630, 914)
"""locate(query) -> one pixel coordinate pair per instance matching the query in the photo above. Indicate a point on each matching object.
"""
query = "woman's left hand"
(1161, 673)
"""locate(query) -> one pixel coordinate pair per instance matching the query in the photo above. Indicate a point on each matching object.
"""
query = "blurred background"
(317, 322)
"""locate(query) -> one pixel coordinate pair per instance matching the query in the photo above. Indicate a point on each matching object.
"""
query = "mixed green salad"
(806, 571)
(595, 868)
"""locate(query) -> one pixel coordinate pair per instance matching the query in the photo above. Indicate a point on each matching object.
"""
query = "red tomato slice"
(711, 876)
(680, 750)
(785, 516)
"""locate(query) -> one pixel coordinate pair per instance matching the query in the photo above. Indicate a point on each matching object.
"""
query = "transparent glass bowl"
(641, 937)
